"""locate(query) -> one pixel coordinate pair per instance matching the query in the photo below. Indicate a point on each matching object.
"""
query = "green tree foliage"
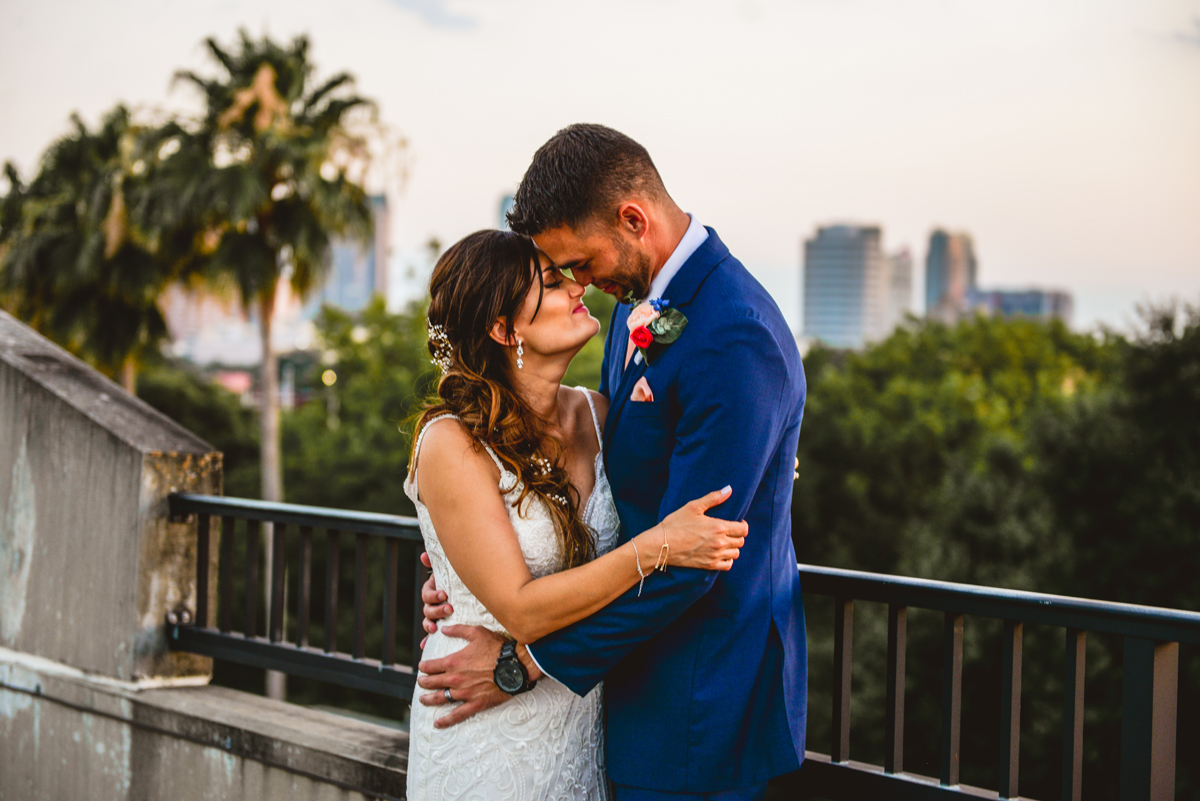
(914, 453)
(72, 262)
(211, 412)
(253, 191)
(348, 446)
(1015, 454)
(1121, 470)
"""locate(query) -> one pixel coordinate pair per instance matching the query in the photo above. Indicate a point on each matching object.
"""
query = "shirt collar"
(693, 238)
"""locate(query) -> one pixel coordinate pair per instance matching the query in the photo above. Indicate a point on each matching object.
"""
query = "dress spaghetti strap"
(587, 393)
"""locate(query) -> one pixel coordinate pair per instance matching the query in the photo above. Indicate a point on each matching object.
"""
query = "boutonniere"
(654, 322)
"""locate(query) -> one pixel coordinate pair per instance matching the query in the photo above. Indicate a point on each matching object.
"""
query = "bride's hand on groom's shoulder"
(700, 541)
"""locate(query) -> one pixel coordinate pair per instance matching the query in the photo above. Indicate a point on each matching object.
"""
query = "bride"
(507, 477)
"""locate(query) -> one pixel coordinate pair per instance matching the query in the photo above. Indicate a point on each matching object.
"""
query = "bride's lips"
(579, 309)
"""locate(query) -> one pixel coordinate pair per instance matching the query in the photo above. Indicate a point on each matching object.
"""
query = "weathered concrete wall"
(89, 564)
(92, 704)
(68, 735)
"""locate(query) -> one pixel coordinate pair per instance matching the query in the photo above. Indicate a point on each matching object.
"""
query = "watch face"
(509, 677)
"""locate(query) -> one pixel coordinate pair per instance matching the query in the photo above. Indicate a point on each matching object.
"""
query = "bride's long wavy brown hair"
(483, 278)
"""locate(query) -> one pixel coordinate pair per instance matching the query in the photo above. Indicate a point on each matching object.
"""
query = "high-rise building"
(506, 205)
(950, 275)
(357, 272)
(1039, 304)
(847, 286)
(900, 287)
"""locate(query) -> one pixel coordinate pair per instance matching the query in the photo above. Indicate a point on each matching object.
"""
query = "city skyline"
(1061, 137)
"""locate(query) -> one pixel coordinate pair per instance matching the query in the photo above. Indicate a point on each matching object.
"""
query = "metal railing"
(1149, 685)
(291, 524)
(1150, 673)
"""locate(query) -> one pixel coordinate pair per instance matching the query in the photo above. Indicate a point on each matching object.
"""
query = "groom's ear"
(632, 218)
(499, 332)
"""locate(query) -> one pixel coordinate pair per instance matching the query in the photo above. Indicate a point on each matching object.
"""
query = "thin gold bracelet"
(664, 553)
(638, 560)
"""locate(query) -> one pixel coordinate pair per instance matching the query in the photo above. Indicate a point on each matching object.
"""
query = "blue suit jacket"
(705, 674)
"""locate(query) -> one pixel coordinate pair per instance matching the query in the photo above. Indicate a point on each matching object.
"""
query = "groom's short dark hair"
(584, 171)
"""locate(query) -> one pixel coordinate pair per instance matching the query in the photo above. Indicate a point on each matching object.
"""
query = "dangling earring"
(520, 353)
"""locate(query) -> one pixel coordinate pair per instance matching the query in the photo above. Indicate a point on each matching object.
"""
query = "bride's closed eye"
(553, 278)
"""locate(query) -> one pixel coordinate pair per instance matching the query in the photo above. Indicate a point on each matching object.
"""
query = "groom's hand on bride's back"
(467, 674)
(435, 602)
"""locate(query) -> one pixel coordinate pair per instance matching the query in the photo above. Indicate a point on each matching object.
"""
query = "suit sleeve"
(731, 419)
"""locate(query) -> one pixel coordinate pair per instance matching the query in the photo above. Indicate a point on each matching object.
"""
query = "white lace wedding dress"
(547, 743)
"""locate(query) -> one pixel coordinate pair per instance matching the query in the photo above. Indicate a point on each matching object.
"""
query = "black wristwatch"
(510, 675)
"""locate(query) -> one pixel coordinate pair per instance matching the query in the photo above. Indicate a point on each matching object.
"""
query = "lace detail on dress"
(543, 745)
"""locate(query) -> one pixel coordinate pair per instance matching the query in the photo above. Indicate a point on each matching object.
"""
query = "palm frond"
(317, 95)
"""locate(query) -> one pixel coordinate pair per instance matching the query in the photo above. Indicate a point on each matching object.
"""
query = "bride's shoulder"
(446, 444)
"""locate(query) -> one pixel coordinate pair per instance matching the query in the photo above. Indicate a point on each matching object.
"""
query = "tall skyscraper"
(506, 205)
(901, 288)
(356, 272)
(950, 275)
(847, 286)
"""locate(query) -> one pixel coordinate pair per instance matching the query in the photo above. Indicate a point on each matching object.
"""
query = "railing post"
(1010, 708)
(952, 661)
(333, 554)
(305, 600)
(843, 647)
(390, 582)
(225, 583)
(278, 574)
(202, 549)
(893, 755)
(1072, 768)
(360, 596)
(253, 533)
(1149, 705)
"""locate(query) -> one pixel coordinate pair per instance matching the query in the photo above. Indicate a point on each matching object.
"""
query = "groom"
(705, 672)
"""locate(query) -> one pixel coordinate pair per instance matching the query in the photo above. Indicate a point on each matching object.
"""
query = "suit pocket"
(643, 409)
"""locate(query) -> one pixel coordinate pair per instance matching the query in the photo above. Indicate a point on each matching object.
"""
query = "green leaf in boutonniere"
(668, 326)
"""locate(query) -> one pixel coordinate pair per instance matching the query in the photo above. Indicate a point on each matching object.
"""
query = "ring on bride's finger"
(446, 692)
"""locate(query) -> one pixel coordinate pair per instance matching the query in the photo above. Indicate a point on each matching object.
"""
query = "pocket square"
(641, 392)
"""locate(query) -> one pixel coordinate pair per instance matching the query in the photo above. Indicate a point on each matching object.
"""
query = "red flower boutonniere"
(654, 322)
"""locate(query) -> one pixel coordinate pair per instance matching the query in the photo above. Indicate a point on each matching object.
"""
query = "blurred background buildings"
(854, 293)
(950, 272)
(213, 329)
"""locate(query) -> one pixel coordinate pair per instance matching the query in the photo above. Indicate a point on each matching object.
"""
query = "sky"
(1064, 136)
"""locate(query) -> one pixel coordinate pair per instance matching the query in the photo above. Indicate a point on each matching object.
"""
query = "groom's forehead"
(568, 246)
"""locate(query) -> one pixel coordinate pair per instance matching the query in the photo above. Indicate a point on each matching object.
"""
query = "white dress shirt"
(693, 238)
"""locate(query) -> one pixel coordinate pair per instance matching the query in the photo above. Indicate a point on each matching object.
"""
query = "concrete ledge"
(180, 739)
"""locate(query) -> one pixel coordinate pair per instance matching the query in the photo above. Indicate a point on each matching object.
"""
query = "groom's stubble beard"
(634, 268)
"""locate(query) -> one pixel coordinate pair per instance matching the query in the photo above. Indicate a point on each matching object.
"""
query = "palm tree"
(251, 193)
(72, 264)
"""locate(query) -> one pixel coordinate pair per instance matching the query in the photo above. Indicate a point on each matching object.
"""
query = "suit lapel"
(681, 292)
(624, 388)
